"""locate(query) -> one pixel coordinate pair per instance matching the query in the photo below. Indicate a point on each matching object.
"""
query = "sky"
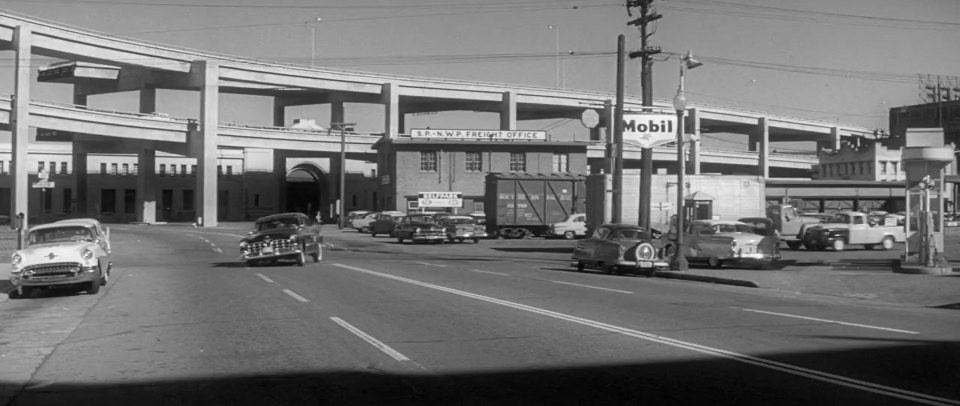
(843, 61)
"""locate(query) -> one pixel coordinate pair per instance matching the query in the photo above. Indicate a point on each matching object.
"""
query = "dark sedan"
(419, 228)
(618, 249)
(282, 236)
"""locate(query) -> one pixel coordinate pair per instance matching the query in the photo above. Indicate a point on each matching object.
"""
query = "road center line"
(832, 321)
(429, 264)
(378, 344)
(733, 356)
(490, 272)
(295, 296)
(266, 279)
(593, 287)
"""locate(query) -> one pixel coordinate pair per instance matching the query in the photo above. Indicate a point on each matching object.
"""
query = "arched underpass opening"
(306, 191)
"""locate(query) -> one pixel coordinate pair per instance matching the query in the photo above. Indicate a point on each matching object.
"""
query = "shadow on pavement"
(558, 250)
(923, 368)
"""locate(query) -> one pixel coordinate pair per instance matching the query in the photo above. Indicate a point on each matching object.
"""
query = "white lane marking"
(833, 321)
(429, 264)
(266, 279)
(594, 287)
(490, 272)
(377, 343)
(295, 296)
(743, 358)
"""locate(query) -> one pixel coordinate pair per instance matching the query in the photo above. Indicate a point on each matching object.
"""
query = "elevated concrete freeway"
(97, 63)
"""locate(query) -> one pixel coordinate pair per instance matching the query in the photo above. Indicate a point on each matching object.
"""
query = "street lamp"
(556, 30)
(313, 40)
(341, 216)
(679, 261)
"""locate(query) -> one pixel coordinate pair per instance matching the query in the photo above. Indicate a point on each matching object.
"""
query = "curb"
(708, 279)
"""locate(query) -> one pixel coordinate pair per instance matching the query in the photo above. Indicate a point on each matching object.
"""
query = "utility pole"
(645, 54)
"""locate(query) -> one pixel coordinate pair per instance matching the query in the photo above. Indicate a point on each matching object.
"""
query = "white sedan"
(72, 252)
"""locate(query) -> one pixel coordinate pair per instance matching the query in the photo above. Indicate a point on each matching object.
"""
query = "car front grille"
(53, 269)
(284, 245)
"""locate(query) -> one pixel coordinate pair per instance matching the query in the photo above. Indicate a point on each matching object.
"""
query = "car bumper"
(78, 275)
(277, 253)
(428, 237)
(469, 234)
(643, 265)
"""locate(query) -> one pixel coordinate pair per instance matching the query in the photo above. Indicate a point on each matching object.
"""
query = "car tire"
(373, 234)
(302, 258)
(794, 245)
(476, 240)
(569, 235)
(887, 243)
(839, 244)
(364, 230)
(580, 266)
(93, 287)
(714, 262)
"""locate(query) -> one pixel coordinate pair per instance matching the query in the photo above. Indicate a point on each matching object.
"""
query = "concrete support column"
(20, 125)
(390, 98)
(835, 139)
(279, 112)
(337, 113)
(148, 100)
(205, 147)
(693, 128)
(508, 111)
(762, 133)
(79, 162)
(280, 171)
(146, 186)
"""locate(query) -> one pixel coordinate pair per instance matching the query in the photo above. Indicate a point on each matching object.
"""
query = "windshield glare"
(61, 234)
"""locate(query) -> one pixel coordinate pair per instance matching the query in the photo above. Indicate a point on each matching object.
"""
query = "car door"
(860, 231)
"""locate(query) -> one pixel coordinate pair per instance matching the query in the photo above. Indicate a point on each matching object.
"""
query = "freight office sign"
(649, 130)
(440, 199)
(493, 135)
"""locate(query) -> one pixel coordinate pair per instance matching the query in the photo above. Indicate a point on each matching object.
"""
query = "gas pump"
(923, 250)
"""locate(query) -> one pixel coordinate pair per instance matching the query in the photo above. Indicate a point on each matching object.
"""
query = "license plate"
(645, 264)
(267, 250)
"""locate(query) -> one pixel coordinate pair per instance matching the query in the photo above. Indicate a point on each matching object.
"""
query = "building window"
(40, 166)
(229, 170)
(63, 167)
(428, 161)
(163, 169)
(894, 170)
(113, 169)
(53, 168)
(193, 169)
(103, 167)
(883, 167)
(108, 201)
(219, 170)
(183, 170)
(173, 170)
(48, 202)
(2, 170)
(136, 168)
(188, 199)
(518, 162)
(130, 201)
(126, 169)
(561, 162)
(373, 173)
(67, 201)
(474, 162)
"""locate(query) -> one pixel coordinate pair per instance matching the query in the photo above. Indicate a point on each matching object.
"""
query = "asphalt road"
(501, 322)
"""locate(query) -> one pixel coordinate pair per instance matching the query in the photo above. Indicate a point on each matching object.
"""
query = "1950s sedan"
(419, 228)
(718, 242)
(283, 236)
(73, 252)
(460, 228)
(619, 248)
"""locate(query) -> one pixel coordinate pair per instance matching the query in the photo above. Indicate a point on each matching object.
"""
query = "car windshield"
(633, 234)
(733, 228)
(284, 222)
(60, 234)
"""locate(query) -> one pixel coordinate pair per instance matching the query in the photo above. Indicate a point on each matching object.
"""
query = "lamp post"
(341, 217)
(556, 30)
(679, 261)
(313, 40)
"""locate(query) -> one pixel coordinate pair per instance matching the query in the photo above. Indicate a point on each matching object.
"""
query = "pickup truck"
(789, 224)
(854, 228)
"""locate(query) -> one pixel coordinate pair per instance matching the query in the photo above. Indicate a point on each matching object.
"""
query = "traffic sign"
(43, 184)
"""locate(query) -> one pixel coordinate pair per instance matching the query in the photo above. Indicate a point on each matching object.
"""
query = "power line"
(268, 5)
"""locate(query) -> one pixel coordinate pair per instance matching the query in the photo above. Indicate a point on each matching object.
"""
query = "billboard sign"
(439, 199)
(649, 130)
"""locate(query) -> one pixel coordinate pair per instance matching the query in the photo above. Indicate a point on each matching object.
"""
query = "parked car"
(362, 224)
(282, 236)
(385, 223)
(853, 228)
(480, 216)
(620, 248)
(718, 242)
(355, 214)
(419, 228)
(460, 228)
(575, 225)
(74, 252)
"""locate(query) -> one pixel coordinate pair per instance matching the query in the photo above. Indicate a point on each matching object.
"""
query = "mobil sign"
(649, 130)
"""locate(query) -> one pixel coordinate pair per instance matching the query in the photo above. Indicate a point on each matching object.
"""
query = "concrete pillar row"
(20, 124)
(390, 98)
(762, 134)
(693, 127)
(508, 111)
(146, 162)
(835, 139)
(280, 171)
(205, 147)
(337, 113)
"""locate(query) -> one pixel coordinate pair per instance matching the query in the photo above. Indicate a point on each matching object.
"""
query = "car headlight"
(645, 251)
(15, 259)
(86, 253)
(733, 245)
(243, 244)
(416, 230)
